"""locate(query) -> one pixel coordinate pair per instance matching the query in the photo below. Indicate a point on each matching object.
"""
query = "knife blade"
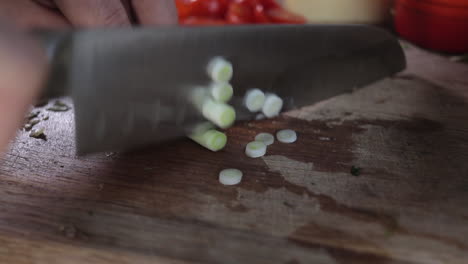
(130, 86)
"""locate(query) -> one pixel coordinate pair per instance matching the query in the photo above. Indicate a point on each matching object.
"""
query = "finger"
(23, 69)
(155, 12)
(46, 3)
(93, 13)
(26, 14)
(128, 7)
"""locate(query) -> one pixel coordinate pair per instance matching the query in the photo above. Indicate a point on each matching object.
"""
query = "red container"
(435, 24)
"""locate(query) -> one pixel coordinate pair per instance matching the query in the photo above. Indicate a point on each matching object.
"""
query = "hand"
(28, 14)
(23, 67)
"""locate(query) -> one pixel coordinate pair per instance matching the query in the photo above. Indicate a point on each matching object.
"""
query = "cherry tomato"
(260, 15)
(201, 8)
(240, 12)
(269, 4)
(202, 21)
(282, 16)
(212, 12)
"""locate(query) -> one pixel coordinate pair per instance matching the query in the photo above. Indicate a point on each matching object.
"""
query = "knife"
(130, 87)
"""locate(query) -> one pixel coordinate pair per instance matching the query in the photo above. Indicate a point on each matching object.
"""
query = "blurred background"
(440, 25)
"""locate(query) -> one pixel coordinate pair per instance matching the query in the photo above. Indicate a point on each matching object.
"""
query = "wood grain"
(299, 204)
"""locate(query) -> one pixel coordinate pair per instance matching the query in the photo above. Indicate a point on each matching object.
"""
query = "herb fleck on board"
(58, 106)
(355, 171)
(33, 115)
(38, 133)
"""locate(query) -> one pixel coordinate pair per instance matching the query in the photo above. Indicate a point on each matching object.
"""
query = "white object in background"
(260, 116)
(341, 11)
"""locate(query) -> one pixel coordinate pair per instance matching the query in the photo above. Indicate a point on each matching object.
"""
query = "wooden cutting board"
(299, 204)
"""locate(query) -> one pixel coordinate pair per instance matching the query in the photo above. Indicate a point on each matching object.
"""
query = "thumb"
(23, 67)
(159, 12)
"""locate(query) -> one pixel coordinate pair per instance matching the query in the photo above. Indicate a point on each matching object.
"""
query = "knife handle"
(56, 45)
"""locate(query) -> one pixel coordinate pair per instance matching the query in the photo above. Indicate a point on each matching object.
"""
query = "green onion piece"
(201, 128)
(212, 139)
(220, 114)
(221, 91)
(230, 176)
(286, 136)
(272, 106)
(255, 149)
(254, 100)
(266, 138)
(220, 70)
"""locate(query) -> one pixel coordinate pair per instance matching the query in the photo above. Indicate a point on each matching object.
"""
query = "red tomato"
(202, 8)
(260, 15)
(240, 12)
(269, 4)
(282, 16)
(201, 21)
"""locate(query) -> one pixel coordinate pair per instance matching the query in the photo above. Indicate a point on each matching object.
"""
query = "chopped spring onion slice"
(254, 100)
(286, 136)
(230, 176)
(212, 139)
(221, 91)
(272, 106)
(201, 128)
(220, 114)
(255, 149)
(220, 70)
(266, 138)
